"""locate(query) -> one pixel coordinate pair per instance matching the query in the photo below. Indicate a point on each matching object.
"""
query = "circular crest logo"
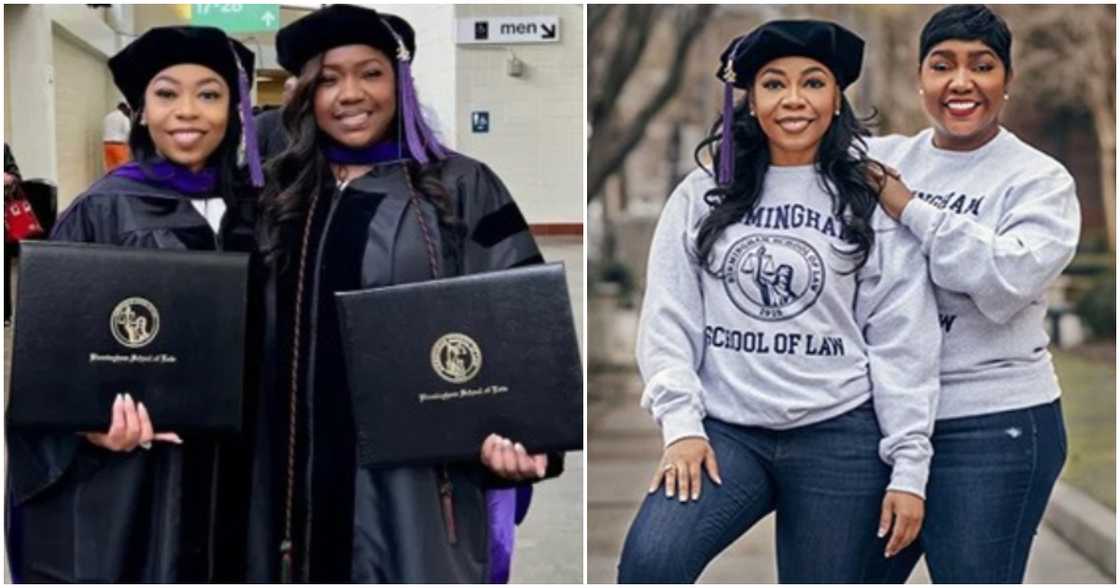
(134, 322)
(456, 358)
(773, 277)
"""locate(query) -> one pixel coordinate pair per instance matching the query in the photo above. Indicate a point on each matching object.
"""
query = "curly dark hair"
(300, 173)
(842, 165)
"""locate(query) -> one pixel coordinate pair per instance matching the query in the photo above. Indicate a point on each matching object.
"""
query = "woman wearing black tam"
(134, 504)
(786, 332)
(366, 196)
(998, 221)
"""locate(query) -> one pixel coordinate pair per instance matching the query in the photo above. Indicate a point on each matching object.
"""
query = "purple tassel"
(726, 145)
(420, 138)
(249, 128)
(417, 135)
(410, 111)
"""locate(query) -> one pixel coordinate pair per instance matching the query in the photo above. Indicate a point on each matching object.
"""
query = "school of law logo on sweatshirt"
(773, 277)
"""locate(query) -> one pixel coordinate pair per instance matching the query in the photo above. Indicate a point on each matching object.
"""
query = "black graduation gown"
(80, 513)
(271, 136)
(353, 523)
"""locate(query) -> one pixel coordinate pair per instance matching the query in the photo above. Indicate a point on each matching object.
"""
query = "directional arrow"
(267, 18)
(549, 32)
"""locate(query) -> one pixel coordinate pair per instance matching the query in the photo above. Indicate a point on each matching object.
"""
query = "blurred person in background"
(116, 128)
(12, 177)
(270, 127)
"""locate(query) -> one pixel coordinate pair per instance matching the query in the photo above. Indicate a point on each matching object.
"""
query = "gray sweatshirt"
(779, 337)
(998, 224)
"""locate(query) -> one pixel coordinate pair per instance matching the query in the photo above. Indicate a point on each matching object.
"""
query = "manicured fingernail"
(128, 398)
(696, 496)
(887, 554)
(520, 448)
(718, 480)
(882, 532)
(668, 492)
(540, 471)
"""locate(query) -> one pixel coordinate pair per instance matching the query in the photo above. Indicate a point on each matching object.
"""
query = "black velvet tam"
(829, 43)
(338, 25)
(162, 47)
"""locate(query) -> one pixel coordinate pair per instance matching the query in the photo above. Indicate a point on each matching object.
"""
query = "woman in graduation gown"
(365, 196)
(133, 504)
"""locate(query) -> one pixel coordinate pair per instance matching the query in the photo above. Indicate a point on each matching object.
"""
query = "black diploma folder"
(435, 367)
(94, 321)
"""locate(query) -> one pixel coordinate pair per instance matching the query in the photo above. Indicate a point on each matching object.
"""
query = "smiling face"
(963, 84)
(355, 96)
(794, 99)
(186, 110)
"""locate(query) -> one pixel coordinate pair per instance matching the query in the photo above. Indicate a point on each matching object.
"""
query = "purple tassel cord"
(248, 124)
(726, 145)
(416, 131)
(417, 135)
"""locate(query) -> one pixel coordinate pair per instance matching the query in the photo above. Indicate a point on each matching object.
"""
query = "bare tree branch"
(612, 140)
(597, 14)
(636, 23)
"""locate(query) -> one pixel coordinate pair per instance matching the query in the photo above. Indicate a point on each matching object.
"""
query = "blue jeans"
(989, 483)
(825, 481)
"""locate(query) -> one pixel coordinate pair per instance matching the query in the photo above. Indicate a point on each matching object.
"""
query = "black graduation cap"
(337, 25)
(829, 43)
(162, 47)
(342, 24)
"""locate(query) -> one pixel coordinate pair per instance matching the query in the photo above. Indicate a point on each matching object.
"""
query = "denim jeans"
(989, 483)
(825, 481)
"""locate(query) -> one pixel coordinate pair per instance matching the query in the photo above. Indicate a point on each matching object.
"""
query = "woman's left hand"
(893, 194)
(906, 511)
(510, 460)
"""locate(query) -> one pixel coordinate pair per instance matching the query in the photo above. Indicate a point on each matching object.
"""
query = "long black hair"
(301, 173)
(841, 164)
(223, 159)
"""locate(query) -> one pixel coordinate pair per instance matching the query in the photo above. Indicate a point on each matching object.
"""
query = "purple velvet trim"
(165, 174)
(248, 124)
(501, 507)
(524, 497)
(389, 150)
(726, 145)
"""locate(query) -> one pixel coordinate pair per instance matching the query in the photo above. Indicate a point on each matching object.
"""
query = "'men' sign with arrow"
(508, 30)
(237, 18)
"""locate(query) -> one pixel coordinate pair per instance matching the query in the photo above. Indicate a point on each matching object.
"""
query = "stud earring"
(752, 114)
(921, 92)
(1006, 98)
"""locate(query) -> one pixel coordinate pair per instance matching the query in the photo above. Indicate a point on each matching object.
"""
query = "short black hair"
(970, 22)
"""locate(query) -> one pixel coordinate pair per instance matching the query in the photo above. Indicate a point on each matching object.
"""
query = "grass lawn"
(1089, 405)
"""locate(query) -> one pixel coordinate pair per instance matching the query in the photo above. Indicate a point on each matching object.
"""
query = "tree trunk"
(1104, 118)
